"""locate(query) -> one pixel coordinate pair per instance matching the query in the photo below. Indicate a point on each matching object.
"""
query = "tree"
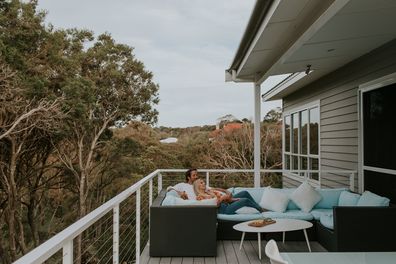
(111, 86)
(273, 116)
(235, 150)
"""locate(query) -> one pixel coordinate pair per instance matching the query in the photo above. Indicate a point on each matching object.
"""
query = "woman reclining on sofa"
(227, 203)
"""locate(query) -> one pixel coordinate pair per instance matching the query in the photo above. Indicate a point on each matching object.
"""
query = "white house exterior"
(338, 109)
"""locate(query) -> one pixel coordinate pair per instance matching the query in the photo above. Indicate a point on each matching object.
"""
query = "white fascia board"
(333, 9)
(263, 26)
(283, 85)
(231, 77)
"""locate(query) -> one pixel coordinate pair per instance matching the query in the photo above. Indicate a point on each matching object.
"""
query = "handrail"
(52, 245)
(64, 239)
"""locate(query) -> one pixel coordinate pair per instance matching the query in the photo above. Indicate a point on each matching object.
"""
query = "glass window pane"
(303, 165)
(287, 162)
(304, 131)
(314, 165)
(287, 133)
(379, 110)
(294, 163)
(314, 130)
(295, 128)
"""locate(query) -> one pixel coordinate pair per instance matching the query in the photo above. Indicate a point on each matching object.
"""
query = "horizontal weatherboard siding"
(338, 96)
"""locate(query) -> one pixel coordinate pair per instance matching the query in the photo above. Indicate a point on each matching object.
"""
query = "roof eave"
(259, 12)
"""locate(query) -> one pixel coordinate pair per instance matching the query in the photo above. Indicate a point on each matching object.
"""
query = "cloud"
(187, 44)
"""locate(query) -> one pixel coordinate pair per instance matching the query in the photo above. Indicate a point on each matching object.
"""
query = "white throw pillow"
(274, 200)
(180, 201)
(305, 197)
(247, 210)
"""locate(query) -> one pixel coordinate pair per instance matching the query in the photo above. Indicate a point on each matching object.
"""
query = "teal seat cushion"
(256, 193)
(329, 199)
(290, 214)
(169, 200)
(327, 221)
(316, 213)
(239, 217)
(348, 199)
(372, 199)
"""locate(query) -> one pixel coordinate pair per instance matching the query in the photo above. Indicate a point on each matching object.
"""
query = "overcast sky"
(187, 44)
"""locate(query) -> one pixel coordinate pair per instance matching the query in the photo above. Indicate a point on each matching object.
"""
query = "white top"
(281, 225)
(185, 187)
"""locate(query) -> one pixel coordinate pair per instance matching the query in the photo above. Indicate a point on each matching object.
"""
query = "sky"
(187, 44)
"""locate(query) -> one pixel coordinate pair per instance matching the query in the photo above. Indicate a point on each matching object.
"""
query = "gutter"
(259, 12)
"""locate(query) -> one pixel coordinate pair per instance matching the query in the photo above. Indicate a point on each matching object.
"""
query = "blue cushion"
(329, 198)
(172, 193)
(327, 221)
(169, 200)
(239, 217)
(291, 214)
(371, 199)
(348, 199)
(316, 213)
(256, 193)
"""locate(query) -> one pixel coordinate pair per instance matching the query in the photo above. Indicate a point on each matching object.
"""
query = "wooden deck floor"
(228, 253)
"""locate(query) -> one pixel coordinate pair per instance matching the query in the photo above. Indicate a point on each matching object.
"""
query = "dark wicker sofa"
(360, 229)
(182, 231)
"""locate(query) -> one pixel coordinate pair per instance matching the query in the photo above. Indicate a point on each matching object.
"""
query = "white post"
(68, 253)
(150, 192)
(352, 182)
(257, 125)
(207, 178)
(116, 233)
(137, 251)
(159, 182)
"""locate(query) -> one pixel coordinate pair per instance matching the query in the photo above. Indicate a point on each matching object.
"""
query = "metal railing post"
(137, 226)
(352, 182)
(159, 182)
(116, 233)
(150, 192)
(207, 178)
(67, 254)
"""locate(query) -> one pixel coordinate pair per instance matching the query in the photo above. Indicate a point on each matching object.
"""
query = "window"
(301, 140)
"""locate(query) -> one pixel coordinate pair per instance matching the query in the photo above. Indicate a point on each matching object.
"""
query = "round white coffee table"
(281, 225)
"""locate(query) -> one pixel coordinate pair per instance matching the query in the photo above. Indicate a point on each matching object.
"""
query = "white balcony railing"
(108, 217)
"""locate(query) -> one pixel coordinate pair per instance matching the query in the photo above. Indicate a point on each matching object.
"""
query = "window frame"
(306, 107)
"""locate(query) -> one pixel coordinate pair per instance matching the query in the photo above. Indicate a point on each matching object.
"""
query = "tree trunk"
(82, 212)
(32, 219)
(12, 203)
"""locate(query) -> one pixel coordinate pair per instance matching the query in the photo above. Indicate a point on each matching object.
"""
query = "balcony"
(117, 231)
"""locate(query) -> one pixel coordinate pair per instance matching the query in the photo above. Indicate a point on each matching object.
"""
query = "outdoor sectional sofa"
(341, 222)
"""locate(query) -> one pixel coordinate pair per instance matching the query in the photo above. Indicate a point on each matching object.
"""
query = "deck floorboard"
(228, 253)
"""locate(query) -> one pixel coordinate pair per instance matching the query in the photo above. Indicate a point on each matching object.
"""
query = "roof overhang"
(291, 36)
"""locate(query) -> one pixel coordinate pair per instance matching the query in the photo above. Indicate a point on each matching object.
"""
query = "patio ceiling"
(325, 34)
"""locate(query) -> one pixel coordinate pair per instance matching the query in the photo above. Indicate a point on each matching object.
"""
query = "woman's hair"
(196, 186)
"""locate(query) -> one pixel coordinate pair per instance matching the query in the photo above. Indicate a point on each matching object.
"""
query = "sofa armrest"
(365, 228)
(182, 230)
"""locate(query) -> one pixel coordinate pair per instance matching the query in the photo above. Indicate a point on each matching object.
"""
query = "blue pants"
(245, 199)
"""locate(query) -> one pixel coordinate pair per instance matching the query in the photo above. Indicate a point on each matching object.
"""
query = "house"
(227, 128)
(169, 140)
(338, 97)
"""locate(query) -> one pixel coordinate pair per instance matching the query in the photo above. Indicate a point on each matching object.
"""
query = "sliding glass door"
(378, 124)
